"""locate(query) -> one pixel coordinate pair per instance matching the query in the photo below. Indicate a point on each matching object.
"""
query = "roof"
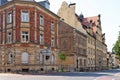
(88, 20)
(28, 2)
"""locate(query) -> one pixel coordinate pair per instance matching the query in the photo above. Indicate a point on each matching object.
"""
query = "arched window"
(10, 58)
(24, 57)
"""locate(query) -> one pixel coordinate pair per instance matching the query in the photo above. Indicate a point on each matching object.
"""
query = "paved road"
(104, 75)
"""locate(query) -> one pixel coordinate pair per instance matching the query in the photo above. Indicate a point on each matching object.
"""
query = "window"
(47, 57)
(41, 20)
(9, 18)
(41, 58)
(41, 39)
(9, 38)
(25, 36)
(25, 16)
(10, 58)
(52, 59)
(52, 42)
(52, 26)
(24, 57)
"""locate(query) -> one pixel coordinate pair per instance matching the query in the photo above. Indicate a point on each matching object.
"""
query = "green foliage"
(116, 48)
(62, 56)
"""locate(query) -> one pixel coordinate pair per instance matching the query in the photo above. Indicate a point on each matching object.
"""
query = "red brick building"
(28, 37)
(74, 44)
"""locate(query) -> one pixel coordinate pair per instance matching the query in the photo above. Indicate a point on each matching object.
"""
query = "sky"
(108, 9)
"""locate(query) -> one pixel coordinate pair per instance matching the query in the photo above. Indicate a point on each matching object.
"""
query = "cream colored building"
(91, 26)
(96, 47)
(68, 15)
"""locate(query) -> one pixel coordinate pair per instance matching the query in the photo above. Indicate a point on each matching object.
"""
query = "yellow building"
(96, 47)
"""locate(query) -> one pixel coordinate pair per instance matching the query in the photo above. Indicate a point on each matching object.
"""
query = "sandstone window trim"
(41, 20)
(41, 58)
(9, 18)
(52, 25)
(52, 59)
(25, 36)
(52, 42)
(41, 39)
(24, 58)
(10, 58)
(9, 37)
(25, 16)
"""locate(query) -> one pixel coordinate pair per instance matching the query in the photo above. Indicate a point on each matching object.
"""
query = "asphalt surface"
(103, 75)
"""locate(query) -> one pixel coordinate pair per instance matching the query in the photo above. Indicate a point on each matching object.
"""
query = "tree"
(116, 48)
(62, 57)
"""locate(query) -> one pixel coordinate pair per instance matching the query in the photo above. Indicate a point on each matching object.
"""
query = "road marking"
(104, 78)
(117, 74)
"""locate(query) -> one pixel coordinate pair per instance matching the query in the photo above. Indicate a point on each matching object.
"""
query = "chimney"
(72, 6)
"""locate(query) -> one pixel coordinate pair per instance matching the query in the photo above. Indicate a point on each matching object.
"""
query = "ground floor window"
(24, 57)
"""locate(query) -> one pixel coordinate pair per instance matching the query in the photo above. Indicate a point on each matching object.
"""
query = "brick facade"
(32, 47)
(74, 44)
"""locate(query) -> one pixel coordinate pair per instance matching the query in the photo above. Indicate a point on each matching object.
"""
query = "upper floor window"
(41, 20)
(9, 18)
(9, 37)
(25, 16)
(52, 42)
(41, 39)
(25, 36)
(52, 26)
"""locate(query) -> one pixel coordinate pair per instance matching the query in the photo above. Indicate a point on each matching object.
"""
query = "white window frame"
(41, 39)
(25, 16)
(9, 37)
(41, 58)
(9, 18)
(41, 20)
(52, 26)
(25, 36)
(10, 58)
(52, 42)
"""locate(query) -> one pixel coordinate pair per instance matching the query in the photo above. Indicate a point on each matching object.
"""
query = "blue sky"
(109, 10)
